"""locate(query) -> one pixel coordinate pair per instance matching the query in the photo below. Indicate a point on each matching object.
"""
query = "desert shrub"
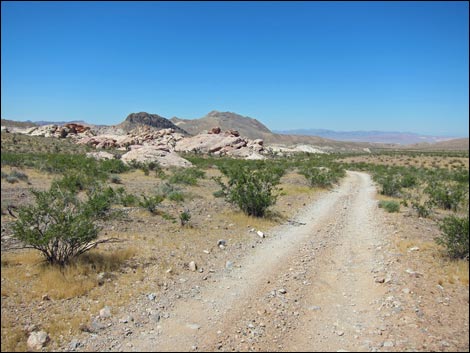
(151, 202)
(408, 180)
(251, 190)
(19, 175)
(75, 181)
(390, 206)
(446, 196)
(115, 179)
(154, 165)
(176, 196)
(423, 210)
(391, 185)
(320, 177)
(454, 236)
(115, 166)
(218, 193)
(188, 176)
(58, 225)
(12, 179)
(124, 198)
(100, 201)
(185, 216)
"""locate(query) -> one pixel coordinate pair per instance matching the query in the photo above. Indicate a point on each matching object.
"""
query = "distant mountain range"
(395, 137)
(253, 129)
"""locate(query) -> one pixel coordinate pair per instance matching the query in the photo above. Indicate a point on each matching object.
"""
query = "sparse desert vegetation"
(166, 218)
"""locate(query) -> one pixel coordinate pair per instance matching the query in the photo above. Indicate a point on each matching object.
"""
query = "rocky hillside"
(246, 126)
(135, 120)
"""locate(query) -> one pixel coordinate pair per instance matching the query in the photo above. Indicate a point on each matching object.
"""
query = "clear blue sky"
(396, 66)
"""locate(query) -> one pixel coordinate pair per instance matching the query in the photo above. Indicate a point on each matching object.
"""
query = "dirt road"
(310, 287)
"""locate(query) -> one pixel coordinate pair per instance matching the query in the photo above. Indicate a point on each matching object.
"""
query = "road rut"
(309, 287)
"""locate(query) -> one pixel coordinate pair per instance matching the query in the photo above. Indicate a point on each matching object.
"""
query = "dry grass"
(456, 271)
(413, 161)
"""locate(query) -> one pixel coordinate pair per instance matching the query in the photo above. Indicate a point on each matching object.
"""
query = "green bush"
(185, 216)
(12, 179)
(59, 225)
(151, 202)
(19, 175)
(423, 210)
(250, 190)
(322, 177)
(115, 179)
(188, 176)
(446, 196)
(125, 199)
(391, 185)
(455, 236)
(75, 181)
(115, 166)
(390, 206)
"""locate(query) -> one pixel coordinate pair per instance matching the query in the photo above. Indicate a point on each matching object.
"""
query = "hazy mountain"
(395, 137)
(246, 126)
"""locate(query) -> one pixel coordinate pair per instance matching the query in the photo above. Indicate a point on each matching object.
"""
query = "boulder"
(37, 340)
(147, 154)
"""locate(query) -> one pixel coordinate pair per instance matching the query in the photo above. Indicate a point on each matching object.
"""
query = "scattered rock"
(37, 340)
(74, 344)
(193, 326)
(413, 273)
(221, 243)
(192, 266)
(105, 312)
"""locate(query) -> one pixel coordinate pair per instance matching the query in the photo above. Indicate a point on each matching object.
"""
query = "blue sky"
(396, 66)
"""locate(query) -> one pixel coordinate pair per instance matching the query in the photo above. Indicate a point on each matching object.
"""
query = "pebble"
(105, 312)
(193, 326)
(74, 344)
(192, 266)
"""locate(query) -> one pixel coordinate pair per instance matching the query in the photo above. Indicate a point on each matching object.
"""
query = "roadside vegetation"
(437, 189)
(85, 219)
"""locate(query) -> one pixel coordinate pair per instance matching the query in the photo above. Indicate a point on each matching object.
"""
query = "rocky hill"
(135, 120)
(246, 126)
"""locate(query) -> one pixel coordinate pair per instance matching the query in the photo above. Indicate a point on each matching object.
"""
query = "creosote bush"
(390, 206)
(59, 225)
(455, 236)
(251, 190)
